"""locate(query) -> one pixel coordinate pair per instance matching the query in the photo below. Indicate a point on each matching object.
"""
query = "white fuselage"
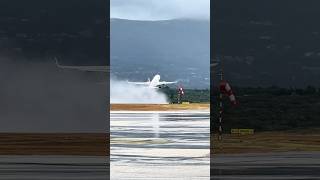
(154, 83)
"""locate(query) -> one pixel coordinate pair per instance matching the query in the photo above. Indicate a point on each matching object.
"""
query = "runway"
(154, 145)
(262, 166)
(54, 167)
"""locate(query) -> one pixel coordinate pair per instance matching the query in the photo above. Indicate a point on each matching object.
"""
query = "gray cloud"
(160, 9)
(39, 97)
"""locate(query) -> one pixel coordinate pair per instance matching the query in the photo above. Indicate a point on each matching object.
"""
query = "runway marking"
(166, 151)
(160, 112)
(122, 117)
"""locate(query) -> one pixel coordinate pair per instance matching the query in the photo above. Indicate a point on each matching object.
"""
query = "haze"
(160, 10)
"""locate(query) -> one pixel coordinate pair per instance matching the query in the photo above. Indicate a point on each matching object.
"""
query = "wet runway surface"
(273, 166)
(160, 145)
(54, 168)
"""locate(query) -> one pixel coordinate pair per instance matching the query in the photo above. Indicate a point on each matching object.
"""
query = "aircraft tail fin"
(57, 62)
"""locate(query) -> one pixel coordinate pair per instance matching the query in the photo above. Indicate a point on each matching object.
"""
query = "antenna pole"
(220, 102)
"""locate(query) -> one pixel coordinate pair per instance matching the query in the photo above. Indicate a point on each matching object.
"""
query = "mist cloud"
(160, 9)
(121, 92)
(39, 97)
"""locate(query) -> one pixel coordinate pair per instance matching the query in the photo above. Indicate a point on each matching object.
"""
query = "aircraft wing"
(139, 83)
(85, 68)
(214, 64)
(165, 83)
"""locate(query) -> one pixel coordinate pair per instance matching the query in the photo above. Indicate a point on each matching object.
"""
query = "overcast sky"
(160, 9)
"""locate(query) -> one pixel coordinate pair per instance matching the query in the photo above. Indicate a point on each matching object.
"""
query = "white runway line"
(128, 117)
(161, 112)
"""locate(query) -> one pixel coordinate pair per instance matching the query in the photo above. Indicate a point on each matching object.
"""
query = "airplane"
(154, 83)
(85, 68)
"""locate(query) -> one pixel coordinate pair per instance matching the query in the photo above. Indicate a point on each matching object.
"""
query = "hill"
(177, 49)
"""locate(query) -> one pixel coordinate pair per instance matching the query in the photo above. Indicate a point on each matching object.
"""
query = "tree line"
(260, 108)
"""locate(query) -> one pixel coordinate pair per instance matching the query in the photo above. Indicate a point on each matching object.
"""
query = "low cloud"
(160, 10)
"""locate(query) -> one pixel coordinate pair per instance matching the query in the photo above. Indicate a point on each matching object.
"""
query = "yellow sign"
(185, 102)
(242, 131)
